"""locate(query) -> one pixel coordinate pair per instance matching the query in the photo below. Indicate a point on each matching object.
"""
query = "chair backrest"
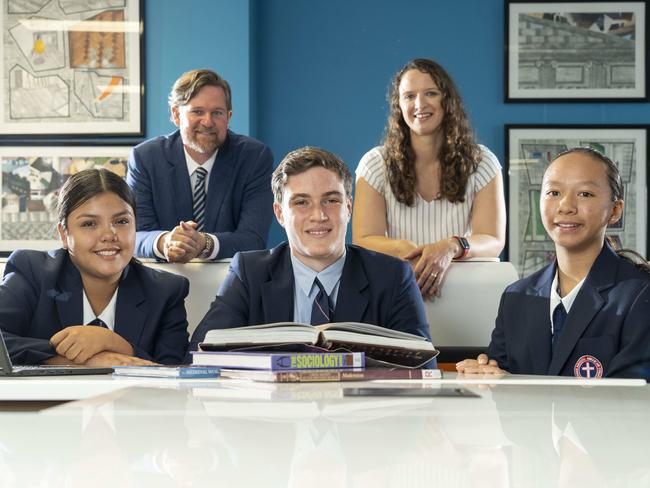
(464, 314)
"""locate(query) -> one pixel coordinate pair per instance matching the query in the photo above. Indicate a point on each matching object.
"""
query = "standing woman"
(429, 194)
(132, 314)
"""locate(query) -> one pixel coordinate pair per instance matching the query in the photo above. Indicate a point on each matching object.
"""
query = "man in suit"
(315, 277)
(202, 191)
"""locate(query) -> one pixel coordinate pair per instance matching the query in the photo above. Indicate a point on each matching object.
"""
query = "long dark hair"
(459, 154)
(616, 187)
(86, 184)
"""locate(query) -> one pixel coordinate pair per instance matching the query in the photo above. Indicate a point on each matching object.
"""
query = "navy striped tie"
(198, 197)
(321, 309)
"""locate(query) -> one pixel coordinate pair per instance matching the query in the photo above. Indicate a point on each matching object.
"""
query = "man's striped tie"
(198, 197)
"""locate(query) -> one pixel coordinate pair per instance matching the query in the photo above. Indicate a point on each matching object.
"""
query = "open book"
(378, 343)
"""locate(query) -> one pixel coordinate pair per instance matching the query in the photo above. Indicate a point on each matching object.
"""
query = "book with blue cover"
(279, 361)
(196, 372)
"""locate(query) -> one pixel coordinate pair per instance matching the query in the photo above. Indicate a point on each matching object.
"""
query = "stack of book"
(331, 352)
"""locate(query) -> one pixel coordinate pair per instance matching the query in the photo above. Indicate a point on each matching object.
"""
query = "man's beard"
(206, 146)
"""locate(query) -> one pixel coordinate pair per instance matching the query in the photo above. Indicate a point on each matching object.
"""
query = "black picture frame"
(530, 147)
(564, 58)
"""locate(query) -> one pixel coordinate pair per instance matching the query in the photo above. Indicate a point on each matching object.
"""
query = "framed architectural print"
(71, 67)
(31, 177)
(529, 150)
(575, 51)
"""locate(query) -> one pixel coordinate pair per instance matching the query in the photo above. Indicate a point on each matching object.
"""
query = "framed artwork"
(529, 150)
(72, 67)
(31, 178)
(575, 51)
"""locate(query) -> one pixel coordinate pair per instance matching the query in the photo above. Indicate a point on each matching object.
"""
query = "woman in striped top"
(429, 194)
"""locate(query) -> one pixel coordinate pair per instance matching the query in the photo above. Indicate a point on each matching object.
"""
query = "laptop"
(7, 369)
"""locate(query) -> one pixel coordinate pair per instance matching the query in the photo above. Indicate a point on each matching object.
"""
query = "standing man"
(201, 191)
(315, 278)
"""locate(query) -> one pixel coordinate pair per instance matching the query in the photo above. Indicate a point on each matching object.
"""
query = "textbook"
(167, 371)
(378, 343)
(279, 361)
(310, 376)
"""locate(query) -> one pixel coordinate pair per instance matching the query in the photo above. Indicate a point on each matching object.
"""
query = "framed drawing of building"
(575, 51)
(31, 177)
(71, 67)
(529, 150)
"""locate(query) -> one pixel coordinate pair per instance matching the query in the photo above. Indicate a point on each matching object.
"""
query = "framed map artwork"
(530, 149)
(31, 177)
(71, 67)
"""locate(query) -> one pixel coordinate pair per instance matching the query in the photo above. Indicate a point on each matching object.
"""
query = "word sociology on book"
(279, 361)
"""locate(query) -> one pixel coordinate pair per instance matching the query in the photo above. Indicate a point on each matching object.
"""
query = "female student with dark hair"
(429, 194)
(587, 314)
(133, 314)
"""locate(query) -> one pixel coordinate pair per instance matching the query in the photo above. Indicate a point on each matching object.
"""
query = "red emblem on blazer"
(588, 367)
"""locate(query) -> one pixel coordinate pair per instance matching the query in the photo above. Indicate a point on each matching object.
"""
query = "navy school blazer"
(609, 320)
(239, 203)
(375, 288)
(41, 294)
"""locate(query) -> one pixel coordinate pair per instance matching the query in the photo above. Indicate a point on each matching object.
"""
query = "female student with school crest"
(132, 314)
(587, 314)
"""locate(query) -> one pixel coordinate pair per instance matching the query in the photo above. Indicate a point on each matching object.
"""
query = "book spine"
(328, 360)
(198, 372)
(386, 374)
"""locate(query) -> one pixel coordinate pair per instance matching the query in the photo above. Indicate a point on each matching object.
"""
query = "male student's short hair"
(300, 160)
(189, 84)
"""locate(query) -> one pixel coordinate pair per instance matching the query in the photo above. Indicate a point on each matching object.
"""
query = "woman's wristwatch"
(464, 247)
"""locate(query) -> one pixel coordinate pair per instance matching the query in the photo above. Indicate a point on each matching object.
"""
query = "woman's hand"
(108, 359)
(430, 268)
(480, 365)
(79, 343)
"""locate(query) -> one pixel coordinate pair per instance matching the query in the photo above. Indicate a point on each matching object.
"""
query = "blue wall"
(184, 35)
(316, 72)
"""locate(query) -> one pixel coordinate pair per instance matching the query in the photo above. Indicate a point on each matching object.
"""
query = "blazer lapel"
(68, 296)
(179, 179)
(587, 304)
(131, 307)
(352, 298)
(277, 292)
(220, 182)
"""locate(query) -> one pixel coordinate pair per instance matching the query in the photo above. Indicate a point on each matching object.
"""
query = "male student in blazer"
(235, 213)
(313, 202)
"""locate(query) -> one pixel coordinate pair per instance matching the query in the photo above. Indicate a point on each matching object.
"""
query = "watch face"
(464, 243)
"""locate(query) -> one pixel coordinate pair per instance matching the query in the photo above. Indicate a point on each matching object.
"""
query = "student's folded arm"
(633, 357)
(406, 309)
(369, 226)
(171, 345)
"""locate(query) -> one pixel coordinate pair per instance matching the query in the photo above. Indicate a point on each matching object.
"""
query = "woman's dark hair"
(616, 187)
(459, 154)
(82, 186)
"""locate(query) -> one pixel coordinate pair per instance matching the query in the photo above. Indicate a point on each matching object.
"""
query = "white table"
(233, 433)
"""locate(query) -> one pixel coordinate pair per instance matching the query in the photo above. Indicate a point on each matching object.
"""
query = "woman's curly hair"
(459, 154)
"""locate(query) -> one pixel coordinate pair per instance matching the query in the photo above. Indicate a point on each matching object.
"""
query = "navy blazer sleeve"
(406, 311)
(169, 345)
(19, 299)
(255, 211)
(633, 357)
(149, 226)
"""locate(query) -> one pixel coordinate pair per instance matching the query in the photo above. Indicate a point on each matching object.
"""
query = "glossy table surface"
(163, 433)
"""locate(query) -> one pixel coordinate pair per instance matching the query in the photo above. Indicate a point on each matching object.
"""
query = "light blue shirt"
(304, 289)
